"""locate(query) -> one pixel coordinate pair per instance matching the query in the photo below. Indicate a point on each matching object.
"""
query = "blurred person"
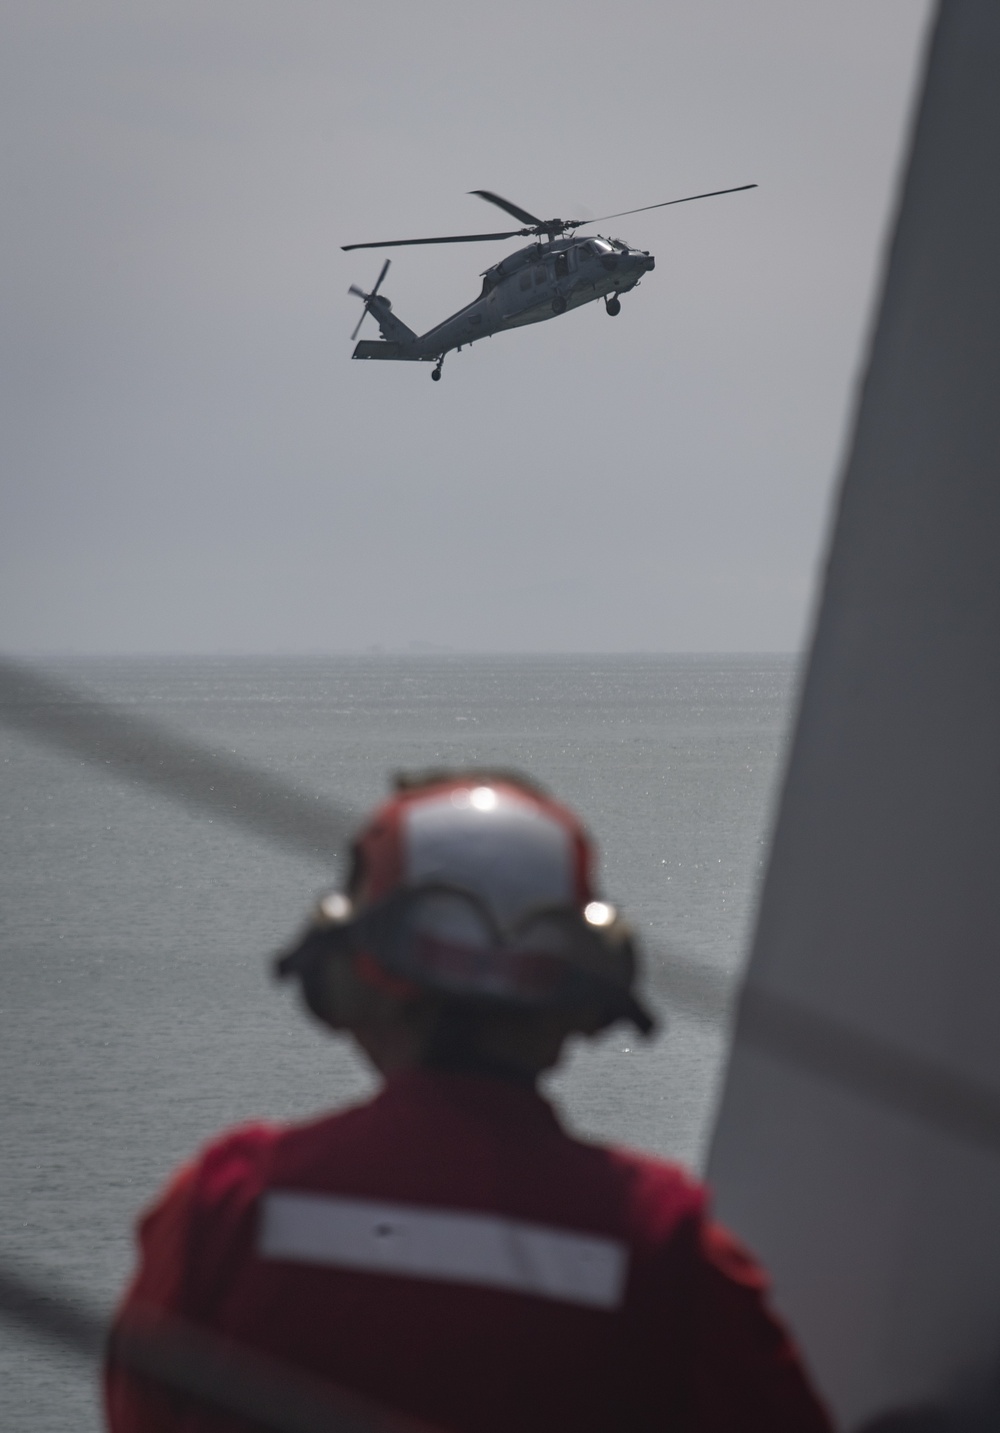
(447, 1249)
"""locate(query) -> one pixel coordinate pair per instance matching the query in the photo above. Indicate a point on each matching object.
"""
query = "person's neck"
(476, 1062)
(519, 1050)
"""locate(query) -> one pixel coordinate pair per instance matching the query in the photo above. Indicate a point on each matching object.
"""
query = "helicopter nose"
(638, 261)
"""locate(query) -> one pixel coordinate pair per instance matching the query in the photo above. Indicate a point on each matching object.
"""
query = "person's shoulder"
(234, 1159)
(649, 1172)
(241, 1162)
(656, 1196)
(334, 1135)
(219, 1176)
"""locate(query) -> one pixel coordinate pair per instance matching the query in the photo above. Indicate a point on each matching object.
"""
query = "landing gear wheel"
(558, 304)
(613, 306)
(436, 375)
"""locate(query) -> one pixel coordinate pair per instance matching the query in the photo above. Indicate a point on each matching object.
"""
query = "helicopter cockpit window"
(526, 279)
(601, 246)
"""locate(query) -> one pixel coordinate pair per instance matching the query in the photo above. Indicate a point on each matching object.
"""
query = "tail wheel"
(613, 306)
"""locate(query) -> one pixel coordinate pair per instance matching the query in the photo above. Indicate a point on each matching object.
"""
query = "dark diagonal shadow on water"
(191, 1362)
(133, 748)
(693, 987)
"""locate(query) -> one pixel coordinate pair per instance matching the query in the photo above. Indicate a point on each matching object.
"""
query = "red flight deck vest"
(449, 1251)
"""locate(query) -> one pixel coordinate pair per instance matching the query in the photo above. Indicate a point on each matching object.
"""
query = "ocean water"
(137, 1016)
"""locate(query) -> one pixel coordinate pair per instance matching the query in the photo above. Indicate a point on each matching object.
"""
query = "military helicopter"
(556, 273)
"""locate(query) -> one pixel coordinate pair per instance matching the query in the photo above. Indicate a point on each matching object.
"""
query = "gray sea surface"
(137, 1016)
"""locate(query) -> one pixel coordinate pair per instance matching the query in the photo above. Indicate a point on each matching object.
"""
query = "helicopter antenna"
(368, 298)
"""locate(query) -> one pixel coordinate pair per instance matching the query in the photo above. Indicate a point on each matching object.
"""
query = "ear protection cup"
(309, 963)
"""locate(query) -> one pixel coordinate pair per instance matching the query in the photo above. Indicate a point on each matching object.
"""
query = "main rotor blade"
(513, 209)
(134, 748)
(665, 205)
(448, 239)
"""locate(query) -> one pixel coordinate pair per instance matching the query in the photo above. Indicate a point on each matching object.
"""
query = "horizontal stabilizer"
(379, 348)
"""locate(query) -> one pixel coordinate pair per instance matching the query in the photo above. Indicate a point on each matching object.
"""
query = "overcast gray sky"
(191, 462)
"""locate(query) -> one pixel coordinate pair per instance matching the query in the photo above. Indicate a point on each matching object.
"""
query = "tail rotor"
(368, 298)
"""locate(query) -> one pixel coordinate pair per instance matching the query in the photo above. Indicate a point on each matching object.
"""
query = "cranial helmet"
(476, 886)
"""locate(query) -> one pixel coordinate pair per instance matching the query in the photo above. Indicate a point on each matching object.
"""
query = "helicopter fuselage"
(538, 282)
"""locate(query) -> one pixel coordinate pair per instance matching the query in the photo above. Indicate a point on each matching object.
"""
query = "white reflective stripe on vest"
(445, 1244)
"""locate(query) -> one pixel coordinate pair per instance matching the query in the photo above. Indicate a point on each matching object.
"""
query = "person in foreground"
(448, 1249)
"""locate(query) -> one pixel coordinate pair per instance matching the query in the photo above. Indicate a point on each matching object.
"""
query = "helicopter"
(557, 273)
